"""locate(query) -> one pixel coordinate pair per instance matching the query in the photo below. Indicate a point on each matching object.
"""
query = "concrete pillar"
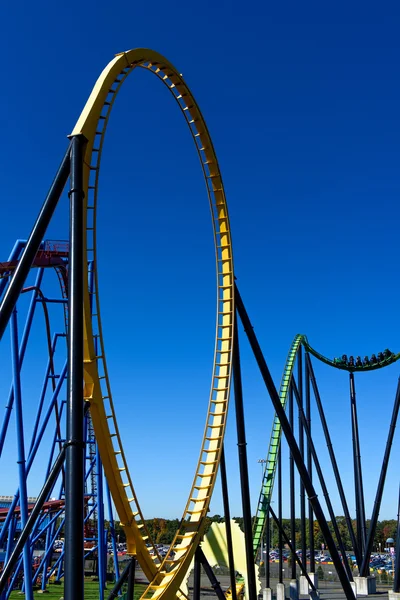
(304, 587)
(280, 591)
(267, 594)
(365, 585)
(394, 595)
(294, 590)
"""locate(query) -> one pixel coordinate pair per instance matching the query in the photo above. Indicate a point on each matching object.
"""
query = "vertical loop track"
(165, 577)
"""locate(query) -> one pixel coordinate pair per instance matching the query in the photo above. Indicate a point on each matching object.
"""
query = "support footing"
(305, 588)
(394, 595)
(280, 591)
(365, 585)
(267, 594)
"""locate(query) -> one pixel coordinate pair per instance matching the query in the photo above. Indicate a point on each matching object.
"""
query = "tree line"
(162, 531)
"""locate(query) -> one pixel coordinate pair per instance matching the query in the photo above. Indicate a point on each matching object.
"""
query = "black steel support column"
(309, 467)
(74, 478)
(301, 448)
(292, 549)
(267, 548)
(131, 580)
(292, 492)
(396, 580)
(333, 461)
(124, 576)
(280, 538)
(323, 485)
(244, 474)
(364, 572)
(33, 243)
(359, 488)
(210, 574)
(227, 514)
(266, 375)
(196, 577)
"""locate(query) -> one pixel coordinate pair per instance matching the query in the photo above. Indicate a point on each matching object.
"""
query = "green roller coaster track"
(271, 460)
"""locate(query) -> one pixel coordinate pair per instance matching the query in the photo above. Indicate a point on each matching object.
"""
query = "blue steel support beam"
(105, 538)
(56, 440)
(20, 449)
(37, 534)
(44, 389)
(14, 578)
(15, 254)
(21, 356)
(10, 543)
(57, 564)
(50, 549)
(32, 454)
(32, 521)
(90, 551)
(60, 563)
(100, 526)
(44, 560)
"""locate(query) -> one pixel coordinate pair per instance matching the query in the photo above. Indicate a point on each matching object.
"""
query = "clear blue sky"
(302, 102)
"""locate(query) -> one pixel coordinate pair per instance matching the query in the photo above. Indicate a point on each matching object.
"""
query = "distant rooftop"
(11, 498)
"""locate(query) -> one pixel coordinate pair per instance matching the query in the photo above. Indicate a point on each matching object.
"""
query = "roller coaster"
(85, 439)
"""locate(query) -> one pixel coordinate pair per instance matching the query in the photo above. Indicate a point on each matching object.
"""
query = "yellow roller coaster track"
(165, 576)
